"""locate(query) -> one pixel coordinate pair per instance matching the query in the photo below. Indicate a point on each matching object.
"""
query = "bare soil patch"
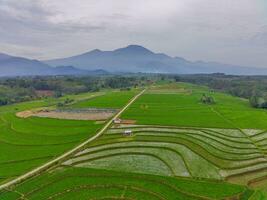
(29, 113)
(24, 114)
(128, 121)
(88, 114)
(125, 122)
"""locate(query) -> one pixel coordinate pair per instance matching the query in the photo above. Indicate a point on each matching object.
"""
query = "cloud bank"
(226, 31)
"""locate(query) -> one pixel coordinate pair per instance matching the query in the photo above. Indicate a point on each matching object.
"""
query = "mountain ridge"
(18, 66)
(136, 58)
(130, 59)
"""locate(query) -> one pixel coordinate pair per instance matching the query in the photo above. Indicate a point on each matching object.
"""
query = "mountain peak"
(135, 46)
(134, 49)
(96, 51)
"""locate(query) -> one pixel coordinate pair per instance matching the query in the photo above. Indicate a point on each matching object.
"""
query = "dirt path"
(61, 158)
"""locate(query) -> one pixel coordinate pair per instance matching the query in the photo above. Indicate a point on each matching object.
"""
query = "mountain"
(18, 66)
(135, 58)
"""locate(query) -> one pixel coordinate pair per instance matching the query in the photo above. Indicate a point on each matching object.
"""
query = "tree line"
(253, 88)
(19, 89)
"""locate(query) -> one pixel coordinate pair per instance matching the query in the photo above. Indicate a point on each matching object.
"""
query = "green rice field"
(81, 183)
(181, 106)
(115, 99)
(175, 147)
(29, 142)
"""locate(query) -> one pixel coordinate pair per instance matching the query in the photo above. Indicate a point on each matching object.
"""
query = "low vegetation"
(14, 90)
(183, 108)
(81, 183)
(32, 140)
(116, 99)
(249, 87)
(184, 142)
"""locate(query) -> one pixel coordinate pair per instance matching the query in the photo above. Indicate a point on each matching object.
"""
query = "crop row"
(27, 143)
(213, 154)
(79, 183)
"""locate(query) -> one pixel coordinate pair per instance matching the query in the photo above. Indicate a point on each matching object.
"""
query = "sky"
(226, 31)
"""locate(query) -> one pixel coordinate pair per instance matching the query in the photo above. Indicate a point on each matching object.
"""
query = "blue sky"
(228, 31)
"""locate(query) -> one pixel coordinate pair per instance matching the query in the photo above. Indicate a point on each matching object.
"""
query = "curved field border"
(195, 136)
(193, 140)
(61, 158)
(201, 135)
(229, 168)
(204, 133)
(198, 149)
(54, 137)
(112, 198)
(201, 143)
(182, 128)
(214, 162)
(157, 147)
(257, 180)
(19, 131)
(39, 145)
(175, 140)
(25, 160)
(138, 177)
(259, 134)
(47, 135)
(105, 187)
(247, 172)
(126, 153)
(249, 165)
(136, 146)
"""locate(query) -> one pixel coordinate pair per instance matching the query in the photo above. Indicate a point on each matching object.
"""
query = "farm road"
(61, 158)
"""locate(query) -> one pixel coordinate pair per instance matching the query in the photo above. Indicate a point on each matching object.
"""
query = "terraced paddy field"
(179, 148)
(218, 154)
(81, 183)
(26, 143)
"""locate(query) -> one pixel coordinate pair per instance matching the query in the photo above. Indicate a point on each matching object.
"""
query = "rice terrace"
(157, 142)
(133, 100)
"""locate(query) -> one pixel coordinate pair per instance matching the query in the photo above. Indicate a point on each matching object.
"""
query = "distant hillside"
(133, 59)
(136, 58)
(18, 66)
(70, 70)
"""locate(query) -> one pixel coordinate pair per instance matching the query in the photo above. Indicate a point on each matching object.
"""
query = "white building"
(127, 132)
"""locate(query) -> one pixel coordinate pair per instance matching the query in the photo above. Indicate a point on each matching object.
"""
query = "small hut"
(117, 121)
(127, 133)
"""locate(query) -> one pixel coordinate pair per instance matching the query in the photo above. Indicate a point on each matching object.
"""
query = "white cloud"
(226, 31)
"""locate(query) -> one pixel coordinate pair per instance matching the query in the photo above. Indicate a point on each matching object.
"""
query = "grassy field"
(115, 99)
(26, 143)
(181, 106)
(216, 154)
(179, 148)
(80, 183)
